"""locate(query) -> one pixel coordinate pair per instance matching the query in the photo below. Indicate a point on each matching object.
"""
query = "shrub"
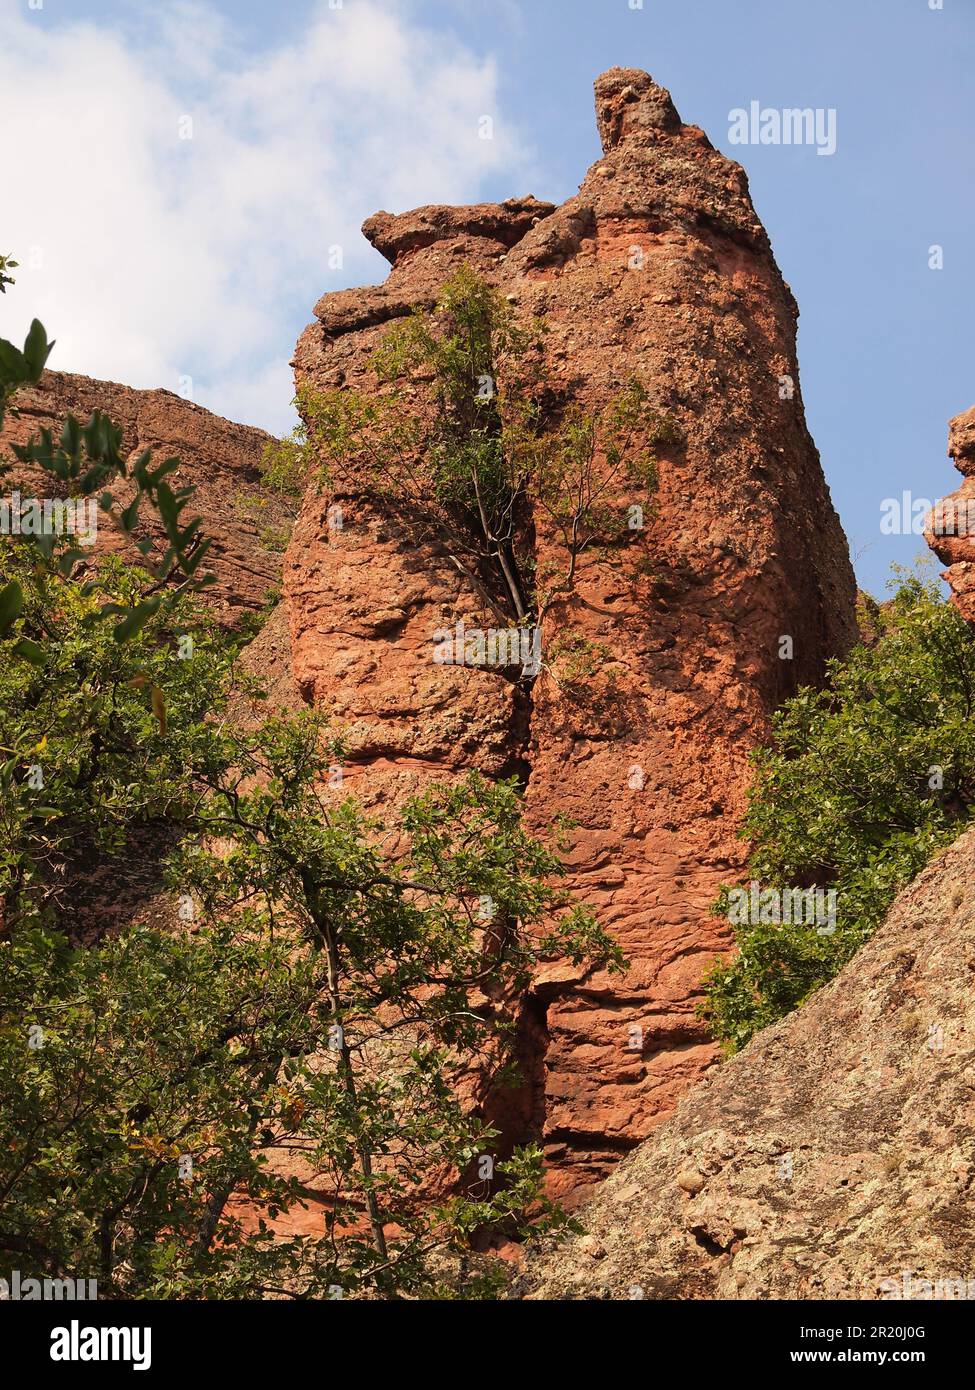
(863, 782)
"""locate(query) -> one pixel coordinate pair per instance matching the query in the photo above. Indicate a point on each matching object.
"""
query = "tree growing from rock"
(467, 446)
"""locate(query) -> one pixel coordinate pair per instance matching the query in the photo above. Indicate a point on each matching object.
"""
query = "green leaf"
(30, 651)
(71, 436)
(136, 620)
(167, 466)
(36, 349)
(11, 605)
(167, 506)
(13, 362)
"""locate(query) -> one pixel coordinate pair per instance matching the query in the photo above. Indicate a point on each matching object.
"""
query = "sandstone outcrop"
(736, 591)
(950, 530)
(833, 1158)
(247, 522)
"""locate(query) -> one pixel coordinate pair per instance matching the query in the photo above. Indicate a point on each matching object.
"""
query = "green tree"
(96, 736)
(863, 782)
(412, 966)
(468, 441)
(327, 1005)
(317, 999)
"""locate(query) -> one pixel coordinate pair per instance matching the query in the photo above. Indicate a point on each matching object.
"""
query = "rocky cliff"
(658, 269)
(248, 523)
(734, 592)
(832, 1158)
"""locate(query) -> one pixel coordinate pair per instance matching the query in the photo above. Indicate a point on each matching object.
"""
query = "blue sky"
(194, 263)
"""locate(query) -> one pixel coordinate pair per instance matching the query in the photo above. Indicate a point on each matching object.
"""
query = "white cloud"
(158, 257)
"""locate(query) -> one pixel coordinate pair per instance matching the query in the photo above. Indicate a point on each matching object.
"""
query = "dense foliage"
(863, 782)
(166, 1094)
(320, 1003)
(307, 1012)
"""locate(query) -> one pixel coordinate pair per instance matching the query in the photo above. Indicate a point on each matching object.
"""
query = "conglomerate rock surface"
(658, 270)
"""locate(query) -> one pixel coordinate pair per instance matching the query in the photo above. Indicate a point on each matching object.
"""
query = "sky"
(182, 179)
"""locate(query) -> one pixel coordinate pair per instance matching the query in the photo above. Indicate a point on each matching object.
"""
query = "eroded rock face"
(247, 522)
(734, 593)
(832, 1158)
(950, 530)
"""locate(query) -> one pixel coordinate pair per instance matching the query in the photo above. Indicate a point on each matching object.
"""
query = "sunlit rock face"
(733, 593)
(245, 521)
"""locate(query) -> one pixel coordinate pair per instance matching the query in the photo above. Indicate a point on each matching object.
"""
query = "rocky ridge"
(247, 522)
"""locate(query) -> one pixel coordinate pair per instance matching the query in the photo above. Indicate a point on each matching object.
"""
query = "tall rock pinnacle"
(738, 590)
(632, 109)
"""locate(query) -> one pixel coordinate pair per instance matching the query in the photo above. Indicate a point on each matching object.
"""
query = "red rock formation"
(659, 269)
(950, 530)
(247, 522)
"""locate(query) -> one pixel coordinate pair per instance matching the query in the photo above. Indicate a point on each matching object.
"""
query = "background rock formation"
(658, 269)
(954, 518)
(834, 1153)
(249, 525)
(247, 522)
